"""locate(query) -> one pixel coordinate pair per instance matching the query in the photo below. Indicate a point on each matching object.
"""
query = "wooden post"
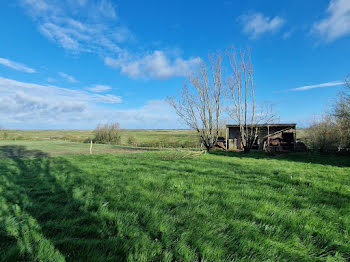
(226, 139)
(90, 147)
(295, 138)
(268, 136)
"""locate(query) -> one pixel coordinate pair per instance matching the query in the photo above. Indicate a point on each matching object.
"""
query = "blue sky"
(77, 63)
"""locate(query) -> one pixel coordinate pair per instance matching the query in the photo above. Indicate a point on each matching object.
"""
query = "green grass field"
(171, 206)
(64, 148)
(143, 138)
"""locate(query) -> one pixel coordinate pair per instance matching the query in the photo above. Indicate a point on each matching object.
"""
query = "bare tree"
(199, 101)
(241, 92)
(341, 112)
(342, 105)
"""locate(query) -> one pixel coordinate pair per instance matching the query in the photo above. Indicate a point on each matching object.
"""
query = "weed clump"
(107, 134)
(132, 141)
(176, 155)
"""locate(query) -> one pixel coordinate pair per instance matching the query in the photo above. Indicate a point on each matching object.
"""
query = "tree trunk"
(246, 149)
(208, 148)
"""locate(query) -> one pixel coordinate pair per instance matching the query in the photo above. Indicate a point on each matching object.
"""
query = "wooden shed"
(273, 137)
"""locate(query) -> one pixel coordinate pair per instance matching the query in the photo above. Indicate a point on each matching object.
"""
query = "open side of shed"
(271, 137)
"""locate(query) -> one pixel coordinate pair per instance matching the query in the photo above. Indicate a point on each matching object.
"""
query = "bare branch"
(198, 104)
(241, 92)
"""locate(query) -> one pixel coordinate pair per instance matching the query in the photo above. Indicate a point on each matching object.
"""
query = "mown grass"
(165, 206)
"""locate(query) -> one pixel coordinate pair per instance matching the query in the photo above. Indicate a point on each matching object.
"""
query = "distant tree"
(241, 94)
(107, 133)
(199, 101)
(4, 133)
(341, 112)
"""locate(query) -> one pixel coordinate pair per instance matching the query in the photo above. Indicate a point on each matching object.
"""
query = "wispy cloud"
(336, 24)
(155, 65)
(99, 88)
(53, 94)
(328, 84)
(68, 77)
(107, 8)
(79, 26)
(256, 24)
(16, 65)
(26, 103)
(31, 105)
(94, 27)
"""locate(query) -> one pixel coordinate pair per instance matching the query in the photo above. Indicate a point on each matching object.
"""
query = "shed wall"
(235, 138)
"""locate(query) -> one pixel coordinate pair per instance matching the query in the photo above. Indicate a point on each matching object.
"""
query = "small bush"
(324, 136)
(178, 155)
(107, 134)
(87, 140)
(5, 135)
(132, 141)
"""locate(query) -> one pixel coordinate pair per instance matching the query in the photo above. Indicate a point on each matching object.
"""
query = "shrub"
(5, 135)
(19, 137)
(132, 141)
(324, 136)
(176, 155)
(341, 113)
(107, 134)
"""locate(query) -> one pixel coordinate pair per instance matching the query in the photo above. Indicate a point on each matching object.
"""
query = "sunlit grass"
(175, 138)
(143, 138)
(161, 206)
(59, 147)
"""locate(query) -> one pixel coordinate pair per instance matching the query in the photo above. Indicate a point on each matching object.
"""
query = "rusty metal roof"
(265, 125)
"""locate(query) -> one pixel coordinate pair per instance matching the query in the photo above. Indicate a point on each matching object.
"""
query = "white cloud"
(93, 26)
(107, 9)
(154, 114)
(256, 24)
(155, 65)
(52, 94)
(328, 84)
(337, 23)
(99, 88)
(68, 77)
(60, 35)
(37, 5)
(29, 105)
(16, 66)
(79, 26)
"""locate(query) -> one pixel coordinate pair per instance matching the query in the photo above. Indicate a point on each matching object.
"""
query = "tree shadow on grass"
(17, 152)
(49, 207)
(41, 217)
(307, 157)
